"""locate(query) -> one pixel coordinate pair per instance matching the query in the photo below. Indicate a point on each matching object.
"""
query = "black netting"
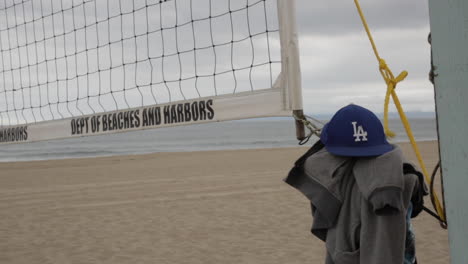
(64, 58)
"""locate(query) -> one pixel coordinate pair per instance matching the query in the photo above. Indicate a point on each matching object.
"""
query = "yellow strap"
(391, 85)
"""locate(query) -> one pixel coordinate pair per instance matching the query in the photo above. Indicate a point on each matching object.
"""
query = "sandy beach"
(198, 207)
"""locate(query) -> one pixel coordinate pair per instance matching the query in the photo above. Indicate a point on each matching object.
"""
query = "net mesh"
(67, 58)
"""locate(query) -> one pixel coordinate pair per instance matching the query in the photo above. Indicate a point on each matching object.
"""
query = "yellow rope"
(391, 85)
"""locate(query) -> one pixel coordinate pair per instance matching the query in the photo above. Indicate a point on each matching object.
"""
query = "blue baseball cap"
(355, 131)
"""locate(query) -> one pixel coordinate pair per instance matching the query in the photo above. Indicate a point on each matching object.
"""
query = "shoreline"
(189, 151)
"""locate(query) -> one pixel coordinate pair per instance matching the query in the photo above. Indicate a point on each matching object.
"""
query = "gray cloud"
(341, 17)
(337, 61)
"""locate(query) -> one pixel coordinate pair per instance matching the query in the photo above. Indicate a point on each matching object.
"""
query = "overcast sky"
(83, 57)
(338, 65)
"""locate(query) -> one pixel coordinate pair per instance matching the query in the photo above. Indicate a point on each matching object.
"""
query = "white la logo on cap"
(359, 132)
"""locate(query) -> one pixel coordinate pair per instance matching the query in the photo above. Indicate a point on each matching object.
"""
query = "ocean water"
(245, 134)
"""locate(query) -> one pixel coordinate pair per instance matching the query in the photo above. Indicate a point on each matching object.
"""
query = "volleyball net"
(72, 68)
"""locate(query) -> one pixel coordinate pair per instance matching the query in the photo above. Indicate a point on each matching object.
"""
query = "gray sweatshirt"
(359, 205)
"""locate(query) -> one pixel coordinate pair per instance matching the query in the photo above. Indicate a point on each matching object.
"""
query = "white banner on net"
(71, 69)
(202, 110)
